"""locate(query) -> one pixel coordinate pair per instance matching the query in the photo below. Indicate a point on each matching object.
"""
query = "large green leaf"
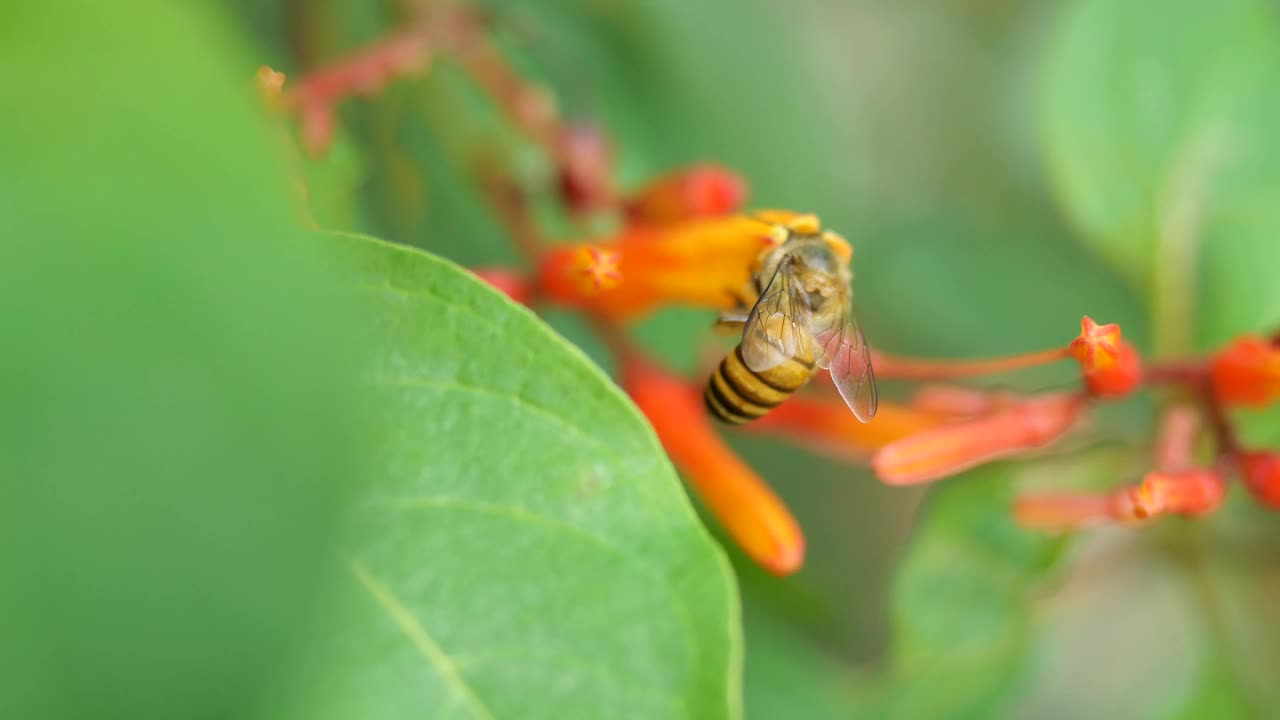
(1158, 123)
(524, 549)
(176, 434)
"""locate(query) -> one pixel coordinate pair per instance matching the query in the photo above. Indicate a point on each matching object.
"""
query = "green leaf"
(524, 549)
(176, 430)
(969, 597)
(961, 602)
(787, 675)
(1158, 125)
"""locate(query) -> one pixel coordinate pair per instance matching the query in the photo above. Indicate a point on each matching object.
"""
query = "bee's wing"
(776, 329)
(843, 350)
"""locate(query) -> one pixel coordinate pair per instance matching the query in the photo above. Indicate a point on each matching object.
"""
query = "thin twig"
(909, 368)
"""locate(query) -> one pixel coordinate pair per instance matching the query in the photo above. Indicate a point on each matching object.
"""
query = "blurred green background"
(919, 130)
(952, 142)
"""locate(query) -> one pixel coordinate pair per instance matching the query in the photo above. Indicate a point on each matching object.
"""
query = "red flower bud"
(1247, 372)
(695, 192)
(1110, 366)
(1190, 492)
(947, 450)
(1261, 472)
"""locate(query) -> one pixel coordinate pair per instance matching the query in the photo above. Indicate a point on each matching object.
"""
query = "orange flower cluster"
(1245, 373)
(682, 243)
(683, 246)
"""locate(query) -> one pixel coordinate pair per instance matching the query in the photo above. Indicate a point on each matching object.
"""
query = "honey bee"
(802, 319)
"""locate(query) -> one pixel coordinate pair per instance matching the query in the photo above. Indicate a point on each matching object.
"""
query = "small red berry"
(1262, 476)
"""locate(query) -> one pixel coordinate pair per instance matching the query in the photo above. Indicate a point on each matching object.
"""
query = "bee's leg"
(730, 322)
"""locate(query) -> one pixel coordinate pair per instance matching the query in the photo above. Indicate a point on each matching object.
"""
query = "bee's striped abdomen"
(737, 395)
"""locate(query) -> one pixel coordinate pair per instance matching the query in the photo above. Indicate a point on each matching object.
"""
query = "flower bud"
(1190, 492)
(1110, 366)
(1261, 472)
(1247, 372)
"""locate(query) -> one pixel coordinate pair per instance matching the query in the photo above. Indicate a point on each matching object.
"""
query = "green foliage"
(182, 420)
(1159, 128)
(176, 430)
(522, 549)
(962, 603)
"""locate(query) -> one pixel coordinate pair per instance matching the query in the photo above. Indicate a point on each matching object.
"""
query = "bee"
(802, 319)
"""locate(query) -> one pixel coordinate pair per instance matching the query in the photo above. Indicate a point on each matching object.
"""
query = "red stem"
(910, 368)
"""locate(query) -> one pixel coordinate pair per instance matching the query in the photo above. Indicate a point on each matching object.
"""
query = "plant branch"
(899, 367)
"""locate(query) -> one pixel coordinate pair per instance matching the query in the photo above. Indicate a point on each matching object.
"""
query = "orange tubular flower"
(1055, 512)
(957, 401)
(1261, 472)
(697, 263)
(826, 426)
(1190, 492)
(512, 283)
(700, 191)
(1111, 367)
(746, 507)
(1247, 372)
(947, 450)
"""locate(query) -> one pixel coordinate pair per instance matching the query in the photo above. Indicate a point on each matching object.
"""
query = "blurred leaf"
(967, 598)
(961, 602)
(525, 549)
(789, 676)
(332, 183)
(176, 428)
(1159, 129)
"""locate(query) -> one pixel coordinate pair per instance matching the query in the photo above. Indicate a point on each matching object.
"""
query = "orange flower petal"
(745, 506)
(947, 450)
(698, 263)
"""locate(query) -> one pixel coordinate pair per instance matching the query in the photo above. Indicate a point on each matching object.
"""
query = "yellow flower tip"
(774, 216)
(1096, 346)
(838, 245)
(270, 82)
(1149, 498)
(805, 224)
(600, 268)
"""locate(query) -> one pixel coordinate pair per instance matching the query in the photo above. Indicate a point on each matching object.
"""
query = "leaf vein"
(421, 639)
